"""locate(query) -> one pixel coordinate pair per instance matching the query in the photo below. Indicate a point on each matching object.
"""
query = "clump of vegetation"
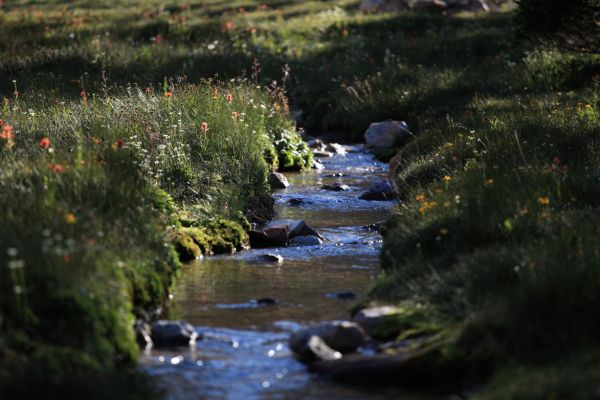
(95, 190)
(498, 216)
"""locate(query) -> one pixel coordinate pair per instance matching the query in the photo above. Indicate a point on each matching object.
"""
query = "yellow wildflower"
(420, 197)
(70, 218)
(489, 182)
(543, 201)
(447, 178)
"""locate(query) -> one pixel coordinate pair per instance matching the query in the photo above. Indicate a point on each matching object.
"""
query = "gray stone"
(271, 258)
(336, 149)
(315, 144)
(173, 334)
(278, 180)
(384, 135)
(322, 153)
(309, 240)
(143, 333)
(315, 348)
(336, 187)
(316, 164)
(382, 190)
(371, 318)
(430, 5)
(269, 236)
(342, 336)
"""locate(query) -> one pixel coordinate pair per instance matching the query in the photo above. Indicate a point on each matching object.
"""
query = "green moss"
(186, 247)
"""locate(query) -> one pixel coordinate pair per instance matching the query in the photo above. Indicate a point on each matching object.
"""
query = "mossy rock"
(186, 247)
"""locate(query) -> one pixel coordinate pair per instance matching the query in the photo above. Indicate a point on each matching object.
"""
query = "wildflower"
(56, 168)
(420, 197)
(588, 107)
(168, 94)
(444, 231)
(215, 94)
(6, 101)
(447, 178)
(489, 182)
(70, 218)
(204, 127)
(44, 143)
(235, 115)
(447, 204)
(7, 132)
(83, 94)
(263, 6)
(118, 144)
(596, 78)
(229, 97)
(16, 93)
(544, 201)
(148, 90)
(229, 25)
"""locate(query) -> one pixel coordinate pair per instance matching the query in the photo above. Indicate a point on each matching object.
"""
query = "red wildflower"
(169, 94)
(118, 144)
(7, 132)
(82, 93)
(204, 127)
(263, 6)
(148, 90)
(229, 25)
(44, 143)
(229, 97)
(56, 168)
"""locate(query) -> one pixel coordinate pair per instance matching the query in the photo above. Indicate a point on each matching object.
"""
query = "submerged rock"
(383, 135)
(295, 202)
(271, 258)
(308, 240)
(336, 187)
(172, 334)
(342, 336)
(348, 295)
(264, 301)
(278, 181)
(380, 191)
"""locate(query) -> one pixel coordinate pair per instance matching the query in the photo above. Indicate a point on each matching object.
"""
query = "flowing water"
(243, 353)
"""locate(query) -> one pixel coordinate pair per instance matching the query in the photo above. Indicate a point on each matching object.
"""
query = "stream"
(242, 350)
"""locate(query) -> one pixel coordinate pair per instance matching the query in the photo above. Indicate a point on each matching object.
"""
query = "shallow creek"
(242, 351)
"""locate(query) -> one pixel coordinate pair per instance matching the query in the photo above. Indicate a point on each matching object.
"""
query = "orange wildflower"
(229, 97)
(44, 143)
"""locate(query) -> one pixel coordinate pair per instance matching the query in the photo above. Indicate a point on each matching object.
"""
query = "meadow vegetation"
(498, 219)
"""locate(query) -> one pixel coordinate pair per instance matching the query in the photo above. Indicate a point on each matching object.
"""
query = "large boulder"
(383, 135)
(269, 236)
(278, 180)
(380, 191)
(342, 336)
(173, 334)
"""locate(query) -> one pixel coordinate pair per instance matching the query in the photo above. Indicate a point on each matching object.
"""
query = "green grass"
(495, 232)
